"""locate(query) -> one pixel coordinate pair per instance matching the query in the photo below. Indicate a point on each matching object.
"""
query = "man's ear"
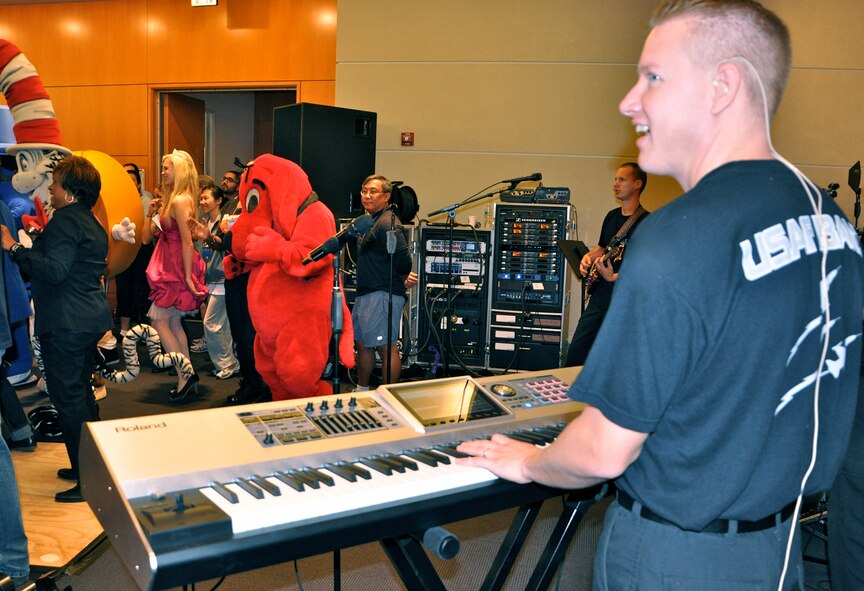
(727, 84)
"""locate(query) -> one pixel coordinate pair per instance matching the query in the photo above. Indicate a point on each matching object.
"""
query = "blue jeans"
(14, 559)
(635, 553)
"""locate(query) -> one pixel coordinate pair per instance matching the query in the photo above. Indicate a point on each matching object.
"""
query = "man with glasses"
(229, 184)
(375, 280)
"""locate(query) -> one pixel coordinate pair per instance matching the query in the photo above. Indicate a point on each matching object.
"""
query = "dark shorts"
(369, 316)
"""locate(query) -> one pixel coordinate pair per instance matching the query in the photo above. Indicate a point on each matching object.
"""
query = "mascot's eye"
(251, 200)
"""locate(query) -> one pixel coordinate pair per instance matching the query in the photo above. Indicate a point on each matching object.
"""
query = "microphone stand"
(857, 205)
(336, 322)
(391, 251)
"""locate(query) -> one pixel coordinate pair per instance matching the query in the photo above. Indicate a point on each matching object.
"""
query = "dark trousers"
(69, 360)
(585, 333)
(846, 511)
(635, 553)
(242, 330)
(12, 411)
(133, 290)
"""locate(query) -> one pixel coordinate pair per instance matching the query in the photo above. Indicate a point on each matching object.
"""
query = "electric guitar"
(614, 253)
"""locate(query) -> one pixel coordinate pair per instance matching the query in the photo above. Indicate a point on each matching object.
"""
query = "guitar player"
(599, 266)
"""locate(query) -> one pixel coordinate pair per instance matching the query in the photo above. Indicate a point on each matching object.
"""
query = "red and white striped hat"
(36, 125)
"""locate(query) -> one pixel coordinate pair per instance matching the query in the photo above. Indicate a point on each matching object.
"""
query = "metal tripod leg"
(575, 508)
(511, 546)
(411, 562)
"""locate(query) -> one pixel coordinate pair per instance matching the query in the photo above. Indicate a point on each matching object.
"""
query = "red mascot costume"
(289, 302)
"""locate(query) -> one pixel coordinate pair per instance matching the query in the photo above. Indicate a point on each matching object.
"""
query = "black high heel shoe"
(191, 386)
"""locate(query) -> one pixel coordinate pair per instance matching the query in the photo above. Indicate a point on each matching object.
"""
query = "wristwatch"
(15, 249)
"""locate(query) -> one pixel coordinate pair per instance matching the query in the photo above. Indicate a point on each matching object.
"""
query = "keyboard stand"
(417, 572)
(575, 508)
(511, 546)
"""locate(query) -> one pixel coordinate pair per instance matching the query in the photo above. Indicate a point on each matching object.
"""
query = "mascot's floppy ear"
(294, 189)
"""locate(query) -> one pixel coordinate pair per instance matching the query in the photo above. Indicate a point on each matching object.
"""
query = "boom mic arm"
(531, 177)
(358, 226)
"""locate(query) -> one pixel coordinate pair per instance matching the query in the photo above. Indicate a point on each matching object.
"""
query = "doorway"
(226, 124)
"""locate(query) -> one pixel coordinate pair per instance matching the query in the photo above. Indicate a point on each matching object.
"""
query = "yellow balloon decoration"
(119, 199)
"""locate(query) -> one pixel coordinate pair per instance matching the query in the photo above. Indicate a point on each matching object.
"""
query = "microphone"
(532, 177)
(358, 226)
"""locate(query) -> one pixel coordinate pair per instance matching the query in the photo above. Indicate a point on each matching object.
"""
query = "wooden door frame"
(154, 158)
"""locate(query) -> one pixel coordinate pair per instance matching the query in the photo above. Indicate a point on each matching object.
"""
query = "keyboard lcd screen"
(445, 402)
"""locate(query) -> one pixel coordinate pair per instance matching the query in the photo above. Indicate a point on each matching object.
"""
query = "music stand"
(573, 251)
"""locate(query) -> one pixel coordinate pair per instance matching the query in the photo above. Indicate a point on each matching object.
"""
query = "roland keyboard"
(194, 495)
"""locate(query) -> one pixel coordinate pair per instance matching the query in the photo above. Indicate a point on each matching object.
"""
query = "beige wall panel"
(81, 43)
(111, 119)
(442, 179)
(825, 34)
(558, 109)
(493, 30)
(819, 121)
(239, 41)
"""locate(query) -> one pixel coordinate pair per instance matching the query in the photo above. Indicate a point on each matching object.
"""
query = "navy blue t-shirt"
(717, 325)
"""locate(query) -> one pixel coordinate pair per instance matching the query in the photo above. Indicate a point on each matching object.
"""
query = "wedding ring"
(484, 452)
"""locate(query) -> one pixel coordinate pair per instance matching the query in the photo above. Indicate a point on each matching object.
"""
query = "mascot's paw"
(264, 245)
(124, 231)
(33, 224)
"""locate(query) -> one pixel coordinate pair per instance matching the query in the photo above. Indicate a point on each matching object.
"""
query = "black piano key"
(376, 464)
(420, 456)
(520, 437)
(319, 476)
(549, 432)
(532, 438)
(450, 450)
(358, 471)
(544, 436)
(438, 456)
(305, 478)
(262, 482)
(290, 480)
(399, 462)
(342, 470)
(223, 490)
(250, 488)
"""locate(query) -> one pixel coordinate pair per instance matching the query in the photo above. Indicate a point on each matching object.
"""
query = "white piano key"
(291, 506)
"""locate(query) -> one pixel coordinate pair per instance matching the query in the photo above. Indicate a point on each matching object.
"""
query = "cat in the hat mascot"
(289, 302)
(39, 147)
(37, 150)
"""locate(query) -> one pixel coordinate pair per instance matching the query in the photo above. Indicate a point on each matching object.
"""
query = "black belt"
(718, 526)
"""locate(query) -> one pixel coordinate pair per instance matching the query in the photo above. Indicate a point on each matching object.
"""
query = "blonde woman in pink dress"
(176, 270)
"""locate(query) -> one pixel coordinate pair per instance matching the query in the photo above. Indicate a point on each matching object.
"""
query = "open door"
(183, 126)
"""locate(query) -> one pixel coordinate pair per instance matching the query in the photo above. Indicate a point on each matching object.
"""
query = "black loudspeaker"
(335, 146)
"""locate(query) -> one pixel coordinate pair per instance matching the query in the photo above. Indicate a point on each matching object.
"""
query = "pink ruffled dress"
(166, 276)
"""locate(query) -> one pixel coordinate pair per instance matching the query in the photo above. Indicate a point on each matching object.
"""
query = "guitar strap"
(619, 235)
(622, 232)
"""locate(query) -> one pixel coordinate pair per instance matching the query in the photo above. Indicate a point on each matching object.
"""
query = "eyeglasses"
(370, 192)
(229, 178)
